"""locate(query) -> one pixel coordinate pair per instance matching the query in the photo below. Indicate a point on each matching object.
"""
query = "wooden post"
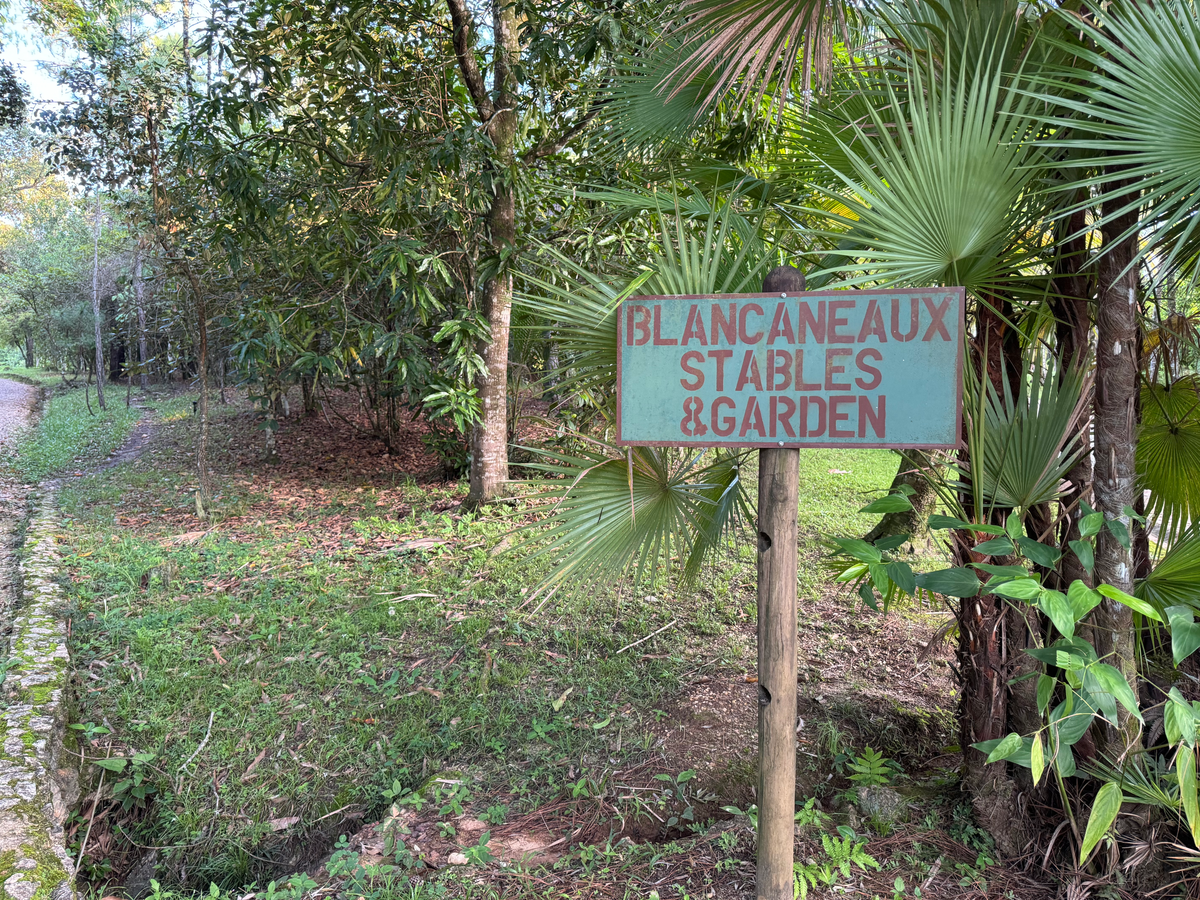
(778, 500)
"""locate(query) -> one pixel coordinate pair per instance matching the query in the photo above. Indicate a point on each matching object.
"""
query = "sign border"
(788, 445)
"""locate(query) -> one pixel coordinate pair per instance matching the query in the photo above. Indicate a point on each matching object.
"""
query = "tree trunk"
(1116, 436)
(497, 112)
(30, 359)
(96, 307)
(139, 295)
(915, 471)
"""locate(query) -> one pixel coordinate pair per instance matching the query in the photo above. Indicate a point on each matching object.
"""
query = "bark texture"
(915, 470)
(1116, 434)
(96, 314)
(139, 297)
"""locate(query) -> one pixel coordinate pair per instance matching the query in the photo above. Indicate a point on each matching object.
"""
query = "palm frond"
(1175, 580)
(937, 182)
(620, 511)
(1168, 455)
(1135, 115)
(1022, 447)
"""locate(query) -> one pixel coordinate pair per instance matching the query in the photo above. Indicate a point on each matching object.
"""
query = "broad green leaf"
(1179, 720)
(1005, 571)
(879, 577)
(1138, 606)
(1019, 589)
(1119, 531)
(1083, 599)
(1091, 524)
(859, 550)
(1045, 691)
(1000, 546)
(938, 522)
(1133, 514)
(1043, 555)
(957, 582)
(1018, 757)
(113, 764)
(1055, 605)
(1037, 761)
(1083, 550)
(1185, 633)
(1104, 812)
(1114, 682)
(1012, 525)
(1009, 745)
(902, 574)
(1064, 760)
(1073, 717)
(892, 541)
(868, 596)
(1185, 767)
(890, 504)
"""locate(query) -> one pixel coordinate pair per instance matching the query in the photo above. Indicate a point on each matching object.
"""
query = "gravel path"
(17, 402)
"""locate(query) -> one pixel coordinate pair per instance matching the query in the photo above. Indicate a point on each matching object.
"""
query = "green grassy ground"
(300, 660)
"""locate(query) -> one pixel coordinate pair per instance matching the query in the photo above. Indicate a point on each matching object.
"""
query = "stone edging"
(38, 780)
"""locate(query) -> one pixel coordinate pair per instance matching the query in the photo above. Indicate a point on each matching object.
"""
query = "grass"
(293, 668)
(68, 434)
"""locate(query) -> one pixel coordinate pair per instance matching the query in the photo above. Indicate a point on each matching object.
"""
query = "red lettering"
(659, 340)
(831, 369)
(935, 318)
(694, 327)
(745, 311)
(819, 404)
(835, 321)
(801, 384)
(749, 373)
(697, 374)
(752, 419)
(728, 326)
(872, 324)
(877, 417)
(805, 320)
(779, 361)
(728, 423)
(641, 325)
(836, 415)
(783, 419)
(781, 326)
(720, 356)
(863, 365)
(914, 319)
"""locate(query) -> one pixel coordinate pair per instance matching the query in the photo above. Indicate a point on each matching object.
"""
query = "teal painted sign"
(814, 369)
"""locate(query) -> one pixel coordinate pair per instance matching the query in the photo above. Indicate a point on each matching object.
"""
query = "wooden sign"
(808, 369)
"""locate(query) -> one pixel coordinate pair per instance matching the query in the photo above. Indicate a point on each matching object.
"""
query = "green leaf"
(1179, 719)
(1091, 524)
(1185, 767)
(1037, 761)
(113, 764)
(1133, 514)
(1000, 546)
(1055, 605)
(1138, 606)
(1114, 682)
(1019, 589)
(1104, 812)
(892, 503)
(1043, 555)
(902, 574)
(1012, 525)
(938, 522)
(859, 550)
(957, 582)
(1185, 633)
(1003, 571)
(1007, 747)
(1073, 716)
(1119, 531)
(1083, 551)
(1064, 760)
(892, 541)
(1045, 691)
(1083, 599)
(868, 596)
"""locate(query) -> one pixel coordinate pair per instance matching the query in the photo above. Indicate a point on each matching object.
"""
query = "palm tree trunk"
(96, 307)
(1115, 429)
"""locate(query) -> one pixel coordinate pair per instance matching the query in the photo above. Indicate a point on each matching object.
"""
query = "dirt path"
(17, 403)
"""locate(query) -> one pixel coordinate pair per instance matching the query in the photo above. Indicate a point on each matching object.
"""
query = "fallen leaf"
(558, 704)
(218, 655)
(285, 822)
(253, 765)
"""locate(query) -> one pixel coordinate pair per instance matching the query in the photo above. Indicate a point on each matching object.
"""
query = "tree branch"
(549, 148)
(467, 63)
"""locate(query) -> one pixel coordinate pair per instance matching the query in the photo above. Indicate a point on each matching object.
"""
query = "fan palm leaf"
(1175, 580)
(1135, 114)
(1168, 455)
